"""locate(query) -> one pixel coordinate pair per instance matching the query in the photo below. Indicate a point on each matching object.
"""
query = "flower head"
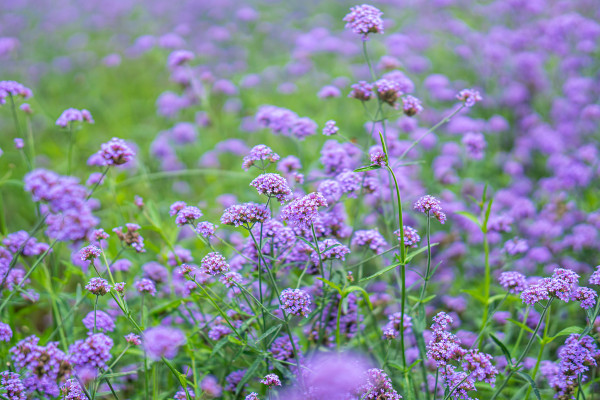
(163, 341)
(98, 286)
(90, 253)
(513, 282)
(245, 214)
(302, 211)
(116, 152)
(330, 128)
(188, 215)
(411, 236)
(295, 302)
(146, 285)
(429, 204)
(133, 339)
(363, 20)
(411, 105)
(214, 264)
(271, 380)
(469, 97)
(261, 153)
(272, 185)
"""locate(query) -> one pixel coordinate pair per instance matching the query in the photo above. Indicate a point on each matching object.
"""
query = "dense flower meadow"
(299, 200)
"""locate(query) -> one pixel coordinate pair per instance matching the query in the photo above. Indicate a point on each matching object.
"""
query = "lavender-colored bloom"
(443, 346)
(330, 128)
(378, 157)
(469, 97)
(411, 105)
(187, 215)
(378, 386)
(331, 190)
(411, 236)
(120, 287)
(516, 246)
(91, 352)
(429, 204)
(271, 380)
(122, 264)
(74, 115)
(350, 182)
(5, 332)
(145, 285)
(393, 327)
(328, 92)
(176, 207)
(330, 249)
(252, 396)
(163, 341)
(586, 296)
(534, 294)
(206, 229)
(362, 91)
(302, 211)
(214, 264)
(179, 57)
(513, 282)
(371, 238)
(133, 339)
(27, 245)
(389, 91)
(19, 143)
(233, 379)
(71, 390)
(90, 253)
(156, 272)
(272, 185)
(210, 385)
(131, 237)
(116, 152)
(480, 367)
(363, 20)
(595, 277)
(98, 286)
(282, 348)
(295, 302)
(475, 145)
(260, 153)
(14, 89)
(104, 322)
(245, 214)
(13, 386)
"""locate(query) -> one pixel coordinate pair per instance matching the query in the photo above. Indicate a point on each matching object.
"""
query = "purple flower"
(371, 238)
(14, 89)
(363, 20)
(411, 236)
(214, 264)
(176, 207)
(534, 294)
(120, 287)
(133, 339)
(295, 302)
(328, 92)
(595, 277)
(272, 185)
(210, 385)
(187, 215)
(245, 214)
(163, 341)
(330, 128)
(131, 237)
(330, 249)
(71, 390)
(586, 296)
(145, 285)
(12, 384)
(378, 157)
(362, 91)
(271, 380)
(206, 229)
(103, 321)
(389, 91)
(475, 145)
(90, 253)
(116, 152)
(260, 153)
(179, 57)
(302, 211)
(393, 327)
(469, 97)
(19, 143)
(74, 115)
(513, 282)
(378, 386)
(411, 105)
(429, 204)
(252, 396)
(98, 286)
(5, 332)
(91, 352)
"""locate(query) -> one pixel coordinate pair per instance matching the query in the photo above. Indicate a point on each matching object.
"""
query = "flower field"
(317, 200)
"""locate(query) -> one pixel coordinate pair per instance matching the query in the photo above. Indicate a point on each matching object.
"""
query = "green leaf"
(385, 150)
(367, 168)
(235, 340)
(383, 271)
(425, 300)
(365, 295)
(169, 306)
(520, 325)
(476, 295)
(567, 331)
(503, 348)
(469, 216)
(248, 375)
(268, 332)
(531, 383)
(331, 284)
(487, 214)
(414, 364)
(311, 244)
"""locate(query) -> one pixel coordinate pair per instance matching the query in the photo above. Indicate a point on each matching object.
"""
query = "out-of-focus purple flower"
(469, 97)
(5, 332)
(363, 20)
(163, 341)
(586, 296)
(371, 238)
(328, 92)
(330, 128)
(187, 215)
(131, 237)
(362, 91)
(19, 143)
(14, 89)
(513, 282)
(260, 153)
(103, 321)
(91, 352)
(133, 339)
(74, 115)
(210, 385)
(595, 277)
(411, 105)
(206, 229)
(145, 285)
(389, 91)
(12, 384)
(475, 145)
(411, 236)
(179, 58)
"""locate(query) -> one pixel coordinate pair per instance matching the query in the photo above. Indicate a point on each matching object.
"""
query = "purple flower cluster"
(130, 236)
(469, 97)
(245, 214)
(272, 185)
(91, 352)
(378, 386)
(392, 329)
(411, 105)
(214, 264)
(206, 229)
(271, 380)
(5, 332)
(513, 282)
(187, 215)
(295, 302)
(388, 90)
(145, 285)
(302, 211)
(430, 205)
(20, 242)
(102, 321)
(13, 89)
(363, 20)
(362, 91)
(115, 152)
(330, 128)
(98, 286)
(163, 341)
(13, 386)
(74, 115)
(371, 238)
(285, 122)
(561, 284)
(90, 253)
(260, 153)
(411, 236)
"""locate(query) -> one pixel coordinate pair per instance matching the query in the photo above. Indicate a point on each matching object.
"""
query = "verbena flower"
(74, 115)
(469, 97)
(90, 253)
(431, 206)
(330, 128)
(295, 302)
(145, 285)
(363, 20)
(103, 321)
(513, 282)
(11, 383)
(206, 229)
(5, 332)
(187, 215)
(271, 380)
(411, 105)
(411, 236)
(163, 341)
(371, 238)
(91, 352)
(362, 91)
(272, 185)
(302, 211)
(130, 236)
(214, 264)
(261, 153)
(115, 152)
(133, 339)
(98, 286)
(245, 214)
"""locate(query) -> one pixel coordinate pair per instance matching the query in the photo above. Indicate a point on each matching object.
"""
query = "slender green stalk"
(95, 308)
